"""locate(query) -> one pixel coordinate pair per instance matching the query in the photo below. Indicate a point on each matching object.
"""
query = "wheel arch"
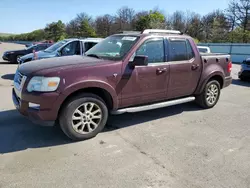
(218, 76)
(103, 90)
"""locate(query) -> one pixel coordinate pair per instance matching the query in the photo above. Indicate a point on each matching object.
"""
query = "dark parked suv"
(14, 55)
(123, 73)
(244, 72)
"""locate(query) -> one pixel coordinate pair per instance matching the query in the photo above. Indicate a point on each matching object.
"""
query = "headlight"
(43, 84)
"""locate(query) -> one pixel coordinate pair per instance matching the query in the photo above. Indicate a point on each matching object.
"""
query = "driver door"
(72, 48)
(146, 84)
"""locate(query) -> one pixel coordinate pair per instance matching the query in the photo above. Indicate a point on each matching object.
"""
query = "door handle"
(195, 66)
(161, 70)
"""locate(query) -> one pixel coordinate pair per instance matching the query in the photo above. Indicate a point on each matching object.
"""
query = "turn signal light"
(52, 84)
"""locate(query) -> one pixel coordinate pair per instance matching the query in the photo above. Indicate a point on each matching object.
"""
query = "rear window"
(203, 50)
(180, 50)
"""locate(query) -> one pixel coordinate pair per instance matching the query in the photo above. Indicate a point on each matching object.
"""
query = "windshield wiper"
(93, 55)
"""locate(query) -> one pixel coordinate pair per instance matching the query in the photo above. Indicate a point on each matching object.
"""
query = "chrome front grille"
(18, 78)
(19, 81)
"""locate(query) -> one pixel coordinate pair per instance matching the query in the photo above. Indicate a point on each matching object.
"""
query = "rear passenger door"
(185, 68)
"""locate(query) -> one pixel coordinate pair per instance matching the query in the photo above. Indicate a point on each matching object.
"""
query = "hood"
(38, 65)
(40, 55)
(14, 51)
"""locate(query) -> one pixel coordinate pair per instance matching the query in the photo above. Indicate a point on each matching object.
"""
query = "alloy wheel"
(212, 94)
(86, 118)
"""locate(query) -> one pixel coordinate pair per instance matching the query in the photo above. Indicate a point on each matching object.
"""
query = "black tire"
(202, 98)
(16, 58)
(65, 116)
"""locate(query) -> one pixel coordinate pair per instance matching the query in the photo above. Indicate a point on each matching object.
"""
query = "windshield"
(113, 47)
(31, 47)
(55, 46)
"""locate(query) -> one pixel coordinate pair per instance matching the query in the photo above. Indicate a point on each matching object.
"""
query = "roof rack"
(148, 31)
(71, 38)
(130, 32)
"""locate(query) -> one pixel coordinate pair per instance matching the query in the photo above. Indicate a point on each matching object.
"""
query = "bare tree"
(215, 27)
(178, 21)
(194, 26)
(239, 15)
(125, 17)
(103, 25)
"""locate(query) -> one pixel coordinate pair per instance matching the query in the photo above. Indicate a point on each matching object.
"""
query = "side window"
(88, 45)
(39, 48)
(153, 49)
(72, 48)
(178, 50)
(190, 51)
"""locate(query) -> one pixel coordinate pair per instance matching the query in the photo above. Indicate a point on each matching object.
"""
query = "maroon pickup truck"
(129, 72)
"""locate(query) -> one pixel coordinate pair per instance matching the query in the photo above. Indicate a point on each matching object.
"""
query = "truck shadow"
(18, 133)
(6, 62)
(8, 76)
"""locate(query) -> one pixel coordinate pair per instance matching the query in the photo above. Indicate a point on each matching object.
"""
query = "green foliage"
(196, 41)
(238, 35)
(5, 34)
(55, 31)
(86, 30)
(142, 23)
(152, 20)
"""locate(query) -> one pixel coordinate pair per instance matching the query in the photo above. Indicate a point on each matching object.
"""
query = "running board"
(153, 106)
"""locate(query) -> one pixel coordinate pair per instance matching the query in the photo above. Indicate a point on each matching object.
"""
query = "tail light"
(229, 66)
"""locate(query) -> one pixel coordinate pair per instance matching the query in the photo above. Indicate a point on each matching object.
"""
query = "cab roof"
(157, 32)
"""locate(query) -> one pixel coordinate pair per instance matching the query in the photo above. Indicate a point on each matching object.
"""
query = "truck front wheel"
(83, 116)
(210, 95)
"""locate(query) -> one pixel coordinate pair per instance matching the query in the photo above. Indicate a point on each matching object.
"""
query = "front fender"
(89, 84)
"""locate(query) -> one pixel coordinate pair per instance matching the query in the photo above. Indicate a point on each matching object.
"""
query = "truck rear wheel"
(210, 95)
(83, 117)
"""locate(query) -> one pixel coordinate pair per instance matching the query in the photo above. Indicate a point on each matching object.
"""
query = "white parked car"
(204, 49)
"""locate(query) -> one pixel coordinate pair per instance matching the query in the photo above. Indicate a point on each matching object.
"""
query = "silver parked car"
(65, 47)
(244, 73)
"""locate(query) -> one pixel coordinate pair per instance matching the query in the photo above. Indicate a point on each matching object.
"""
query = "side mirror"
(139, 60)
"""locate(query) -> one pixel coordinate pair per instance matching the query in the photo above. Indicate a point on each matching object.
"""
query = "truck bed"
(214, 54)
(211, 59)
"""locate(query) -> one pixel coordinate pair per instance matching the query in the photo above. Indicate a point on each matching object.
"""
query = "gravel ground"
(176, 147)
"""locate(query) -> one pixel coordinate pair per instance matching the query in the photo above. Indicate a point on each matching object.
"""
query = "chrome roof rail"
(149, 31)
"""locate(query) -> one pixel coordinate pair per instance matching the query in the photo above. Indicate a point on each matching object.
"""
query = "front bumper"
(228, 80)
(45, 115)
(5, 57)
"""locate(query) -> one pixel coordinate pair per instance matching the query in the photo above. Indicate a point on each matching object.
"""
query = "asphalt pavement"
(177, 147)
